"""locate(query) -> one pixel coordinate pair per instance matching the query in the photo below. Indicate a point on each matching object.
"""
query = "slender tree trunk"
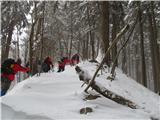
(71, 36)
(91, 34)
(60, 46)
(114, 33)
(84, 49)
(87, 47)
(18, 52)
(105, 29)
(26, 52)
(79, 42)
(154, 52)
(3, 44)
(31, 38)
(31, 47)
(98, 46)
(157, 47)
(92, 45)
(124, 60)
(143, 64)
(42, 33)
(9, 38)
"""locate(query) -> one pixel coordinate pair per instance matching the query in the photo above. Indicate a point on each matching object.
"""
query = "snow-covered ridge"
(60, 96)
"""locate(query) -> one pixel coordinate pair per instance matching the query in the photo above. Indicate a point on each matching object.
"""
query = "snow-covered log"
(85, 77)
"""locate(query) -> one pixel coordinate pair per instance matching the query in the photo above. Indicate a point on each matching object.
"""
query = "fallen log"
(84, 76)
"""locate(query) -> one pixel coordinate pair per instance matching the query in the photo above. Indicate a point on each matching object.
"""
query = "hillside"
(60, 96)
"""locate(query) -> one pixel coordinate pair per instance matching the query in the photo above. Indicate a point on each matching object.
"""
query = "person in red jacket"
(7, 78)
(47, 64)
(62, 63)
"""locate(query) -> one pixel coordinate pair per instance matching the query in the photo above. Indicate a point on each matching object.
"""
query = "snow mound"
(60, 96)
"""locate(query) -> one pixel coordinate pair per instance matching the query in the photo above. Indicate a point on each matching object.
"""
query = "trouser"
(39, 69)
(61, 68)
(5, 84)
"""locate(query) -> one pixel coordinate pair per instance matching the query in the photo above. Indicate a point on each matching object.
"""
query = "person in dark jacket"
(75, 59)
(7, 78)
(47, 64)
(39, 67)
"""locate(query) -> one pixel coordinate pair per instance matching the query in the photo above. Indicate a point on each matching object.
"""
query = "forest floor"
(53, 96)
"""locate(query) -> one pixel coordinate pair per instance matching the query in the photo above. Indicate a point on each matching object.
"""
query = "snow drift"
(60, 96)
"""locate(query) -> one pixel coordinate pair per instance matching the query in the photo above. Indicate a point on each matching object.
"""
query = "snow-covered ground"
(55, 96)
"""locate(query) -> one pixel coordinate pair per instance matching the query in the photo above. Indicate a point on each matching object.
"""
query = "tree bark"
(114, 32)
(18, 51)
(154, 52)
(42, 33)
(156, 38)
(31, 46)
(91, 34)
(71, 35)
(143, 63)
(105, 29)
(92, 46)
(9, 38)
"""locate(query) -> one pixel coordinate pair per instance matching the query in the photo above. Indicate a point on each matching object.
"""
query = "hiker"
(47, 64)
(75, 59)
(62, 63)
(39, 67)
(8, 72)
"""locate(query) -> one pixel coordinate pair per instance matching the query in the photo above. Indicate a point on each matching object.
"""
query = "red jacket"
(16, 68)
(48, 61)
(67, 61)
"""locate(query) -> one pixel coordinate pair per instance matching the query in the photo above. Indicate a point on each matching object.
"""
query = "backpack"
(7, 66)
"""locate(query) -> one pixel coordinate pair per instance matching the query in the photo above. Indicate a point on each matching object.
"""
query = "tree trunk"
(91, 34)
(114, 32)
(86, 46)
(92, 46)
(31, 47)
(9, 38)
(79, 42)
(42, 33)
(18, 52)
(71, 36)
(105, 29)
(84, 49)
(143, 64)
(154, 52)
(156, 42)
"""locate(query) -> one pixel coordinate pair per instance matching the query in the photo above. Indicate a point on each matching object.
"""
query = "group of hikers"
(10, 67)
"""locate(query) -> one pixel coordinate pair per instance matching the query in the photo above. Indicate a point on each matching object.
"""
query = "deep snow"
(60, 96)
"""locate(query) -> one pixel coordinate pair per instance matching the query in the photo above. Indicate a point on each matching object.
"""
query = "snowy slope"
(60, 96)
